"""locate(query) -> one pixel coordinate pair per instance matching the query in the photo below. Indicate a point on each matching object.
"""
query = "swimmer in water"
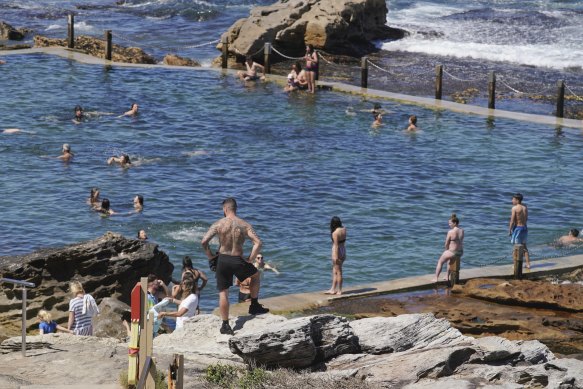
(94, 199)
(138, 203)
(79, 115)
(261, 265)
(2, 62)
(11, 131)
(105, 209)
(123, 160)
(142, 235)
(412, 123)
(378, 121)
(569, 239)
(67, 154)
(133, 110)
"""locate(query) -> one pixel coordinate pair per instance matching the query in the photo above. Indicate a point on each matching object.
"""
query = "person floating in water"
(232, 232)
(454, 245)
(138, 203)
(338, 236)
(412, 123)
(252, 69)
(133, 110)
(105, 209)
(378, 120)
(142, 235)
(517, 229)
(571, 238)
(67, 154)
(123, 160)
(79, 115)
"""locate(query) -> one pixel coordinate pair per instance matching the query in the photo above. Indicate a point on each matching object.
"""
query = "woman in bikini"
(454, 244)
(338, 235)
(189, 271)
(311, 67)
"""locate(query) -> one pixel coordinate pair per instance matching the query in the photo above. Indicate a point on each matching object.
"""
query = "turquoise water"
(292, 162)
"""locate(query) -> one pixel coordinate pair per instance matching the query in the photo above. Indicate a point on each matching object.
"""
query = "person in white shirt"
(186, 306)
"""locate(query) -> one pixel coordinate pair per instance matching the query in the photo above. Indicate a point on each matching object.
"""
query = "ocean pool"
(292, 162)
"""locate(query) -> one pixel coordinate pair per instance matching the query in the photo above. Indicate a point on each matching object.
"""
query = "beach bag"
(90, 307)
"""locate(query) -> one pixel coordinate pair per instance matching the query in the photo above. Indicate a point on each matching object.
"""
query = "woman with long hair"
(186, 304)
(454, 244)
(311, 58)
(338, 236)
(80, 318)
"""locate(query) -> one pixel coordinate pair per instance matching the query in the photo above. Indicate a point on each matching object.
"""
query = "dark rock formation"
(96, 47)
(108, 324)
(175, 60)
(11, 33)
(335, 26)
(108, 266)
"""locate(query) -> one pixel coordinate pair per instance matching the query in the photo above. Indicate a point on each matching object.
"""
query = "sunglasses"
(259, 257)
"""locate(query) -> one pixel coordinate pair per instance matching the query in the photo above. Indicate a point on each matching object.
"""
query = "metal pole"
(225, 50)
(71, 31)
(108, 45)
(364, 72)
(560, 98)
(266, 57)
(24, 321)
(492, 90)
(438, 81)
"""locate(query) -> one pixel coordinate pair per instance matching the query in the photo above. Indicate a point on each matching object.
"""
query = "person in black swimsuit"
(338, 236)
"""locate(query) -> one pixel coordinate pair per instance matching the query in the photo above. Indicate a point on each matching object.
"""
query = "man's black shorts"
(229, 266)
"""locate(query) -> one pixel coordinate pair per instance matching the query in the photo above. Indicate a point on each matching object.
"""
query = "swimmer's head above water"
(66, 148)
(78, 111)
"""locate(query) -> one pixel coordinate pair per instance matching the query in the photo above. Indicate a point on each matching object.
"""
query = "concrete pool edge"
(425, 102)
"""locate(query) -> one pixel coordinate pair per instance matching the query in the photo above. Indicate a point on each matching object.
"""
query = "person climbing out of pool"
(517, 229)
(454, 245)
(67, 154)
(412, 123)
(232, 232)
(123, 160)
(252, 69)
(133, 110)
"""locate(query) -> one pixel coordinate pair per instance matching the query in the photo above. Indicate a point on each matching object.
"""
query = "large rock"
(379, 335)
(11, 33)
(108, 324)
(175, 60)
(336, 26)
(296, 343)
(96, 48)
(108, 266)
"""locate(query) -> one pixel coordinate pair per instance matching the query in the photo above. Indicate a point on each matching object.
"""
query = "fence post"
(492, 90)
(560, 98)
(454, 272)
(517, 256)
(266, 57)
(24, 321)
(225, 53)
(71, 31)
(438, 81)
(108, 45)
(364, 72)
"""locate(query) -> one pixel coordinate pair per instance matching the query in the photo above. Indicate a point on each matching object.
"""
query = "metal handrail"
(24, 284)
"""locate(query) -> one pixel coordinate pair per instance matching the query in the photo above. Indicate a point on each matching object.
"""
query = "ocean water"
(292, 161)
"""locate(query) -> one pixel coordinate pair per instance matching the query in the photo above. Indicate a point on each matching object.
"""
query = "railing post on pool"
(71, 31)
(560, 98)
(438, 81)
(108, 45)
(364, 72)
(454, 272)
(492, 90)
(517, 256)
(225, 51)
(266, 57)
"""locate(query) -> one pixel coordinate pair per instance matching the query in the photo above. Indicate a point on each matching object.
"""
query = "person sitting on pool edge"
(252, 69)
(123, 160)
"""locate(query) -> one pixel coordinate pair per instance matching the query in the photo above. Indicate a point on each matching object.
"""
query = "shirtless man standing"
(517, 229)
(232, 232)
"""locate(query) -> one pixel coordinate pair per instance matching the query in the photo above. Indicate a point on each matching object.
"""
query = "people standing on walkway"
(454, 245)
(311, 58)
(338, 236)
(517, 229)
(232, 232)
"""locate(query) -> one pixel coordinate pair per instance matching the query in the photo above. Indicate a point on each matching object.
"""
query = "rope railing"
(509, 87)
(133, 42)
(285, 56)
(461, 79)
(578, 98)
(384, 70)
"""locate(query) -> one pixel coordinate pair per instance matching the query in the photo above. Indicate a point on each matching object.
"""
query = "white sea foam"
(84, 27)
(54, 27)
(191, 234)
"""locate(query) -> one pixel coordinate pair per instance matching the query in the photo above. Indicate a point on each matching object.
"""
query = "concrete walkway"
(335, 86)
(302, 301)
